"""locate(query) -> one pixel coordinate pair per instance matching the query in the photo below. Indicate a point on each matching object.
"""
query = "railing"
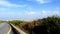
(16, 30)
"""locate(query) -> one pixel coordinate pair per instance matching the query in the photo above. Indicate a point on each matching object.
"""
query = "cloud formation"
(8, 4)
(28, 15)
(28, 12)
(41, 1)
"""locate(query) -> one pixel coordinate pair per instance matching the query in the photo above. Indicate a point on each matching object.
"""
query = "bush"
(16, 22)
(50, 25)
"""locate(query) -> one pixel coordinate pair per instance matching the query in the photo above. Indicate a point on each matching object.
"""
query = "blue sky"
(28, 9)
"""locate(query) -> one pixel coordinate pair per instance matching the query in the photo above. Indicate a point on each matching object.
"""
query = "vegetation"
(49, 25)
(2, 21)
(16, 22)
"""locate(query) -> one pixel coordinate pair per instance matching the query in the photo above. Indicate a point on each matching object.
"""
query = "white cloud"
(57, 8)
(43, 1)
(31, 13)
(8, 4)
(43, 11)
(28, 15)
(51, 13)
